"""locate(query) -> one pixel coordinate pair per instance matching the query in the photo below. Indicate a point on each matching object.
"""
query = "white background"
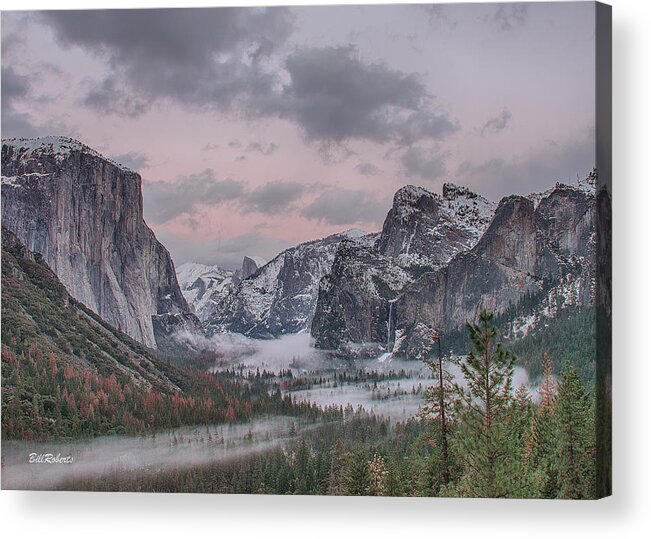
(627, 513)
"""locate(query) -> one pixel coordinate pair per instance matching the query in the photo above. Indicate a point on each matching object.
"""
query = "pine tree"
(336, 476)
(304, 469)
(521, 419)
(485, 441)
(547, 390)
(574, 416)
(357, 476)
(542, 439)
(440, 400)
(393, 484)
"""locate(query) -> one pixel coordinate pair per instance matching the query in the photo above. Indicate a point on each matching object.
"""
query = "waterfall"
(389, 326)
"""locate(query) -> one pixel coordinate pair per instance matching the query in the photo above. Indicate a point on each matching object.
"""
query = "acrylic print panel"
(337, 250)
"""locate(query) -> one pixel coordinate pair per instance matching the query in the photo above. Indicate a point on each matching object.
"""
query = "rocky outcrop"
(421, 233)
(539, 250)
(84, 214)
(528, 251)
(356, 299)
(426, 230)
(249, 266)
(281, 296)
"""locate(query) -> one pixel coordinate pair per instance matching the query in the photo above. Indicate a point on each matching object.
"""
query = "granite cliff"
(84, 214)
(440, 260)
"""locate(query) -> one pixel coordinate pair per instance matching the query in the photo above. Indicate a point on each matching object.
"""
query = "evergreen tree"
(357, 477)
(304, 469)
(336, 477)
(576, 437)
(440, 399)
(486, 442)
(393, 484)
(540, 461)
(521, 418)
(378, 472)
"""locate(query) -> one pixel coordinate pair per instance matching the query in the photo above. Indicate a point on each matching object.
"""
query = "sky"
(255, 129)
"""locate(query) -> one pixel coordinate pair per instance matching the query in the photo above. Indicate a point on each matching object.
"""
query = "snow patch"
(57, 146)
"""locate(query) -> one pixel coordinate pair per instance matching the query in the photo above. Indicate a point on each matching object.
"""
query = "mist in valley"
(388, 387)
(178, 448)
(397, 398)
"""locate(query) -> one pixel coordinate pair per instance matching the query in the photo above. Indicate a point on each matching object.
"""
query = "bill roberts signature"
(49, 458)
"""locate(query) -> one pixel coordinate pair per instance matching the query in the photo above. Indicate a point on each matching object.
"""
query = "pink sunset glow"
(255, 129)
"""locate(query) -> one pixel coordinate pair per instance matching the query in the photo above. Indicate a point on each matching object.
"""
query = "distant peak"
(354, 233)
(414, 190)
(258, 260)
(409, 195)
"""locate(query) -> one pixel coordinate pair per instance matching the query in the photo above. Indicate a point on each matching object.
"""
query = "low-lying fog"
(397, 398)
(178, 448)
(388, 387)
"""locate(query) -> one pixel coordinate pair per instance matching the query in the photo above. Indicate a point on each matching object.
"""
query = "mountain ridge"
(532, 246)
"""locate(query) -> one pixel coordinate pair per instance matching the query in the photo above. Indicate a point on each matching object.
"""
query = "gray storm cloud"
(273, 197)
(166, 200)
(152, 53)
(225, 252)
(109, 98)
(367, 169)
(497, 123)
(264, 149)
(334, 95)
(133, 160)
(15, 87)
(556, 161)
(423, 163)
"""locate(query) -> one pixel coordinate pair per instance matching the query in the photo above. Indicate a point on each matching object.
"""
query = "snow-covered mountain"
(199, 282)
(281, 296)
(422, 232)
(425, 229)
(440, 260)
(204, 286)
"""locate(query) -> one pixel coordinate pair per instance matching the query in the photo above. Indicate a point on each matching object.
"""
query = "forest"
(69, 376)
(478, 438)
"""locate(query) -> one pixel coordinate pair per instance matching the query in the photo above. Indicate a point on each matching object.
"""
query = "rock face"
(545, 251)
(539, 250)
(356, 298)
(249, 266)
(83, 213)
(205, 286)
(280, 297)
(421, 233)
(426, 230)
